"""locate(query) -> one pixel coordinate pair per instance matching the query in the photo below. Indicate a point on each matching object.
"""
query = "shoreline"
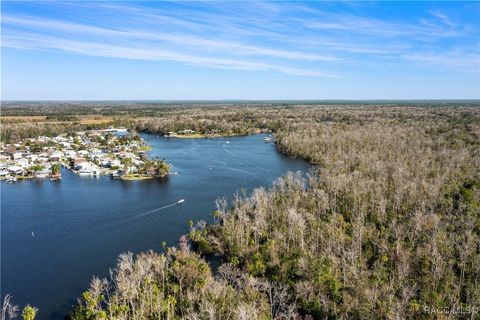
(214, 135)
(206, 136)
(135, 178)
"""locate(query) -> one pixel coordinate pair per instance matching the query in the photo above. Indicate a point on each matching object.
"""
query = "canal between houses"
(56, 235)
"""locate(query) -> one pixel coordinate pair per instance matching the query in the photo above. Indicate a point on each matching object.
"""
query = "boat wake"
(155, 210)
(143, 214)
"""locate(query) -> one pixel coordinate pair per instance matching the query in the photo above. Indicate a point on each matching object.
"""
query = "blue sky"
(85, 50)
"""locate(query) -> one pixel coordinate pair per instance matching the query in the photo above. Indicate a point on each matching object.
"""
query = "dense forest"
(387, 225)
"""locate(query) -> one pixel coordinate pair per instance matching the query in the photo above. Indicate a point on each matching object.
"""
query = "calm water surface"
(82, 224)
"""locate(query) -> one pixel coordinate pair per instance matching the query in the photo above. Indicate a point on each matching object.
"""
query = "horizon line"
(233, 100)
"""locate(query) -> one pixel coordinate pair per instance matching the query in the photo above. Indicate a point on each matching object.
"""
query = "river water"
(55, 235)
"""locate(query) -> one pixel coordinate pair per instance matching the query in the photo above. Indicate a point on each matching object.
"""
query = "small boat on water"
(56, 177)
(85, 172)
(181, 200)
(12, 179)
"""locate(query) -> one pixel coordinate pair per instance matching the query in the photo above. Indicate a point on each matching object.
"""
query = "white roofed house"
(186, 131)
(56, 156)
(32, 157)
(129, 155)
(77, 165)
(3, 173)
(16, 155)
(83, 153)
(43, 158)
(60, 139)
(105, 163)
(87, 168)
(70, 153)
(96, 153)
(138, 162)
(16, 170)
(23, 162)
(44, 173)
(115, 163)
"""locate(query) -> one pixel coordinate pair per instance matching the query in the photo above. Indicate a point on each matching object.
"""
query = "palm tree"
(55, 169)
(29, 312)
(127, 163)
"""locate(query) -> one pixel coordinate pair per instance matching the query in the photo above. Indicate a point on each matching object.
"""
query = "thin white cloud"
(290, 38)
(469, 62)
(443, 18)
(33, 42)
(183, 39)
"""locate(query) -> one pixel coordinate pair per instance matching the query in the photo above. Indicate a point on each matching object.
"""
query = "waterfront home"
(78, 163)
(44, 173)
(3, 174)
(186, 131)
(16, 170)
(117, 174)
(131, 169)
(138, 162)
(87, 169)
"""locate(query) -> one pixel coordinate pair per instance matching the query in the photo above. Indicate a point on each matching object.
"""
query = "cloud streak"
(289, 38)
(32, 42)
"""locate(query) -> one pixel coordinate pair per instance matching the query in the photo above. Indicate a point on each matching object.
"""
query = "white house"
(32, 157)
(56, 156)
(70, 153)
(23, 162)
(115, 163)
(15, 170)
(83, 153)
(16, 155)
(44, 173)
